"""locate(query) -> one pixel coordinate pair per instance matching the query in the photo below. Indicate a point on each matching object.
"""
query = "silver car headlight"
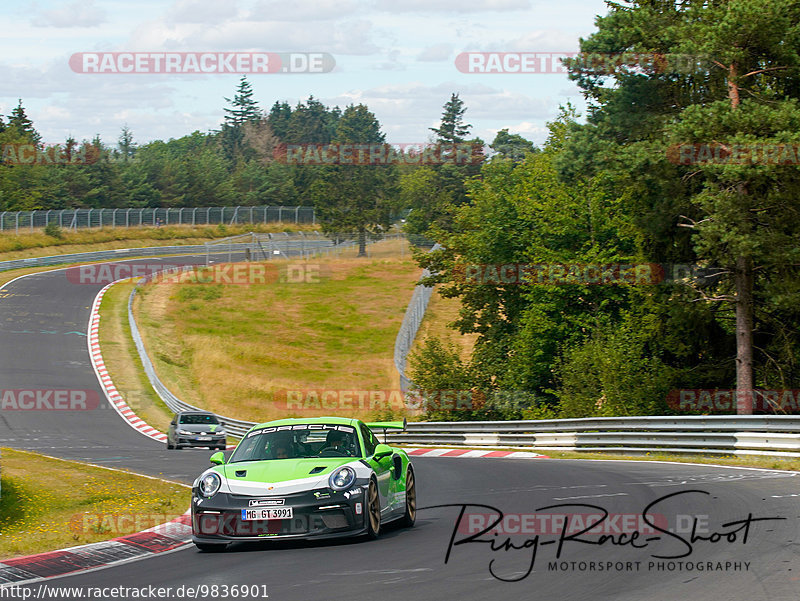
(209, 484)
(221, 432)
(342, 478)
(185, 432)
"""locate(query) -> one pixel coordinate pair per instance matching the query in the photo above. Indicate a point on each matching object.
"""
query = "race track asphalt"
(43, 322)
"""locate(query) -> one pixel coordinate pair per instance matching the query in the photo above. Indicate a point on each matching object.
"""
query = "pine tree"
(125, 145)
(245, 109)
(452, 129)
(24, 126)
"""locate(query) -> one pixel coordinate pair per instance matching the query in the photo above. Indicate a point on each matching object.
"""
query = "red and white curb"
(112, 394)
(472, 453)
(94, 556)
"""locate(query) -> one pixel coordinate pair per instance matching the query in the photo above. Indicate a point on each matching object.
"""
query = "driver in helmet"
(335, 441)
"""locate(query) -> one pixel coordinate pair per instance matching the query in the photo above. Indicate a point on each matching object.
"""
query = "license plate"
(272, 513)
(203, 438)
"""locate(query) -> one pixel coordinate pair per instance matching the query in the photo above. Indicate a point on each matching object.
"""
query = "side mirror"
(382, 450)
(217, 458)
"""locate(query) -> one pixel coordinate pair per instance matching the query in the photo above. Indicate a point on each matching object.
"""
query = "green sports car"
(303, 478)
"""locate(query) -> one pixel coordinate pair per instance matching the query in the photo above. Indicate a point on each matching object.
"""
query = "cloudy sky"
(395, 56)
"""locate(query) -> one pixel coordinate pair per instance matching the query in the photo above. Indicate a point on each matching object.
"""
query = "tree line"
(657, 175)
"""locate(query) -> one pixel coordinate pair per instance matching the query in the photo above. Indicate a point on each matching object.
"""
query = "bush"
(53, 230)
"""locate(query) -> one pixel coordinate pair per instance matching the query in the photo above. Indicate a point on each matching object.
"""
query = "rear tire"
(211, 547)
(410, 516)
(373, 509)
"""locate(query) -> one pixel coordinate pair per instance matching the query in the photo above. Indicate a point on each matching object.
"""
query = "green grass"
(50, 503)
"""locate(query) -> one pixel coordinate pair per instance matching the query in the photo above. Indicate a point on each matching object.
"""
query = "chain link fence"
(408, 329)
(21, 221)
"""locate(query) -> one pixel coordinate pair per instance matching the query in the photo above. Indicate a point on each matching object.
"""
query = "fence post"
(280, 214)
(194, 212)
(32, 214)
(114, 218)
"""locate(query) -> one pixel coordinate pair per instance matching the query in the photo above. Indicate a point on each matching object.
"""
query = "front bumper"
(192, 440)
(316, 514)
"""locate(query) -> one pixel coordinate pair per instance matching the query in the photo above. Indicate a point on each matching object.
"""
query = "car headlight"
(209, 484)
(342, 478)
(221, 432)
(184, 432)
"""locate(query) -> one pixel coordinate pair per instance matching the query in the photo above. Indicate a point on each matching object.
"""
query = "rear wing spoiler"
(375, 426)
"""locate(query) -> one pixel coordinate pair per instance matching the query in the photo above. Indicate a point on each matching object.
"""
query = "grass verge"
(39, 244)
(236, 350)
(51, 503)
(763, 462)
(122, 360)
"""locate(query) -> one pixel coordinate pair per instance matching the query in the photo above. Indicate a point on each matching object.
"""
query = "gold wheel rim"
(411, 495)
(374, 507)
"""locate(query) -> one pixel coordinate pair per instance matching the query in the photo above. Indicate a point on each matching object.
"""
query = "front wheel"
(373, 511)
(410, 516)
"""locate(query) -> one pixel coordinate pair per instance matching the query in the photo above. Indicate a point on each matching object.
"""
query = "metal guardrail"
(715, 434)
(409, 328)
(135, 217)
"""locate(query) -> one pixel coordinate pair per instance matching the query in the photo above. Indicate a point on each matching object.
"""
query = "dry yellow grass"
(441, 312)
(236, 350)
(38, 244)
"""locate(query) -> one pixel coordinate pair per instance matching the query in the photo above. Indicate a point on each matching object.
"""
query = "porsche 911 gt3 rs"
(304, 478)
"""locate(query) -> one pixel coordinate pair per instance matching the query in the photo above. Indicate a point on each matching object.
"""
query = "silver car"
(196, 429)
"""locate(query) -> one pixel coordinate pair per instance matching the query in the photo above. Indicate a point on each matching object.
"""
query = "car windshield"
(198, 419)
(298, 441)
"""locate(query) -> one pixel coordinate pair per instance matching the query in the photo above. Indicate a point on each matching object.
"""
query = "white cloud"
(439, 52)
(353, 37)
(452, 6)
(303, 10)
(201, 11)
(82, 13)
